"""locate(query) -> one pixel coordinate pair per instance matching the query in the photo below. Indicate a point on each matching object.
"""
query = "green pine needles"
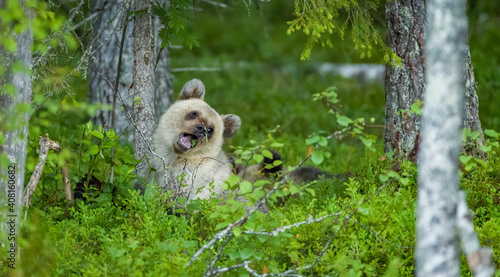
(320, 19)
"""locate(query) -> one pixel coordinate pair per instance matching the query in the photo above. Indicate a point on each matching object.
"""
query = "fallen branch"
(46, 144)
(229, 229)
(226, 269)
(276, 231)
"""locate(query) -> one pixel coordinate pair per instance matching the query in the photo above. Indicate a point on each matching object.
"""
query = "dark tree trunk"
(144, 83)
(107, 36)
(14, 126)
(405, 84)
(471, 115)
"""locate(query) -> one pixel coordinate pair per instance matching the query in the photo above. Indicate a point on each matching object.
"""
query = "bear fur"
(189, 138)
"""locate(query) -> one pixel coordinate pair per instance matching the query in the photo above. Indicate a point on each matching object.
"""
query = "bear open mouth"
(187, 141)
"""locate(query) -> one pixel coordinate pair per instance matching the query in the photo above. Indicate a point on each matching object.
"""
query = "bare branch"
(183, 69)
(229, 229)
(46, 144)
(276, 231)
(226, 269)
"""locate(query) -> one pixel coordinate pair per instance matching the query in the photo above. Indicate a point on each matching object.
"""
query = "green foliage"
(345, 126)
(174, 19)
(319, 19)
(117, 231)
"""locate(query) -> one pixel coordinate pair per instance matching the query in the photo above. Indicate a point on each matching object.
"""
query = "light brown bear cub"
(189, 137)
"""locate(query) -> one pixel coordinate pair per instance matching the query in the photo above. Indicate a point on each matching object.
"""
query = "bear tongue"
(185, 141)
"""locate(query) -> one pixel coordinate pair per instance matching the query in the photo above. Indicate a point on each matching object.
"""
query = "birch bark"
(437, 251)
(15, 125)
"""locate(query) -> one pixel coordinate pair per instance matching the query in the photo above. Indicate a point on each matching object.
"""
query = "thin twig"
(117, 83)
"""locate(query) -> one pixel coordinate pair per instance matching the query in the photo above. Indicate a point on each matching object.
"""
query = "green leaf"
(189, 243)
(404, 181)
(392, 174)
(258, 158)
(115, 253)
(233, 254)
(224, 186)
(383, 178)
(474, 135)
(364, 211)
(232, 181)
(267, 154)
(311, 191)
(258, 255)
(416, 107)
(312, 140)
(323, 141)
(294, 189)
(245, 187)
(465, 159)
(262, 238)
(182, 200)
(166, 246)
(481, 162)
(10, 44)
(237, 231)
(366, 141)
(317, 157)
(491, 133)
(94, 149)
(343, 120)
(486, 148)
(246, 253)
(97, 134)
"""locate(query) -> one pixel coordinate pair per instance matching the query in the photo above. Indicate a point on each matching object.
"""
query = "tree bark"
(437, 251)
(144, 83)
(106, 36)
(471, 119)
(14, 125)
(106, 48)
(405, 84)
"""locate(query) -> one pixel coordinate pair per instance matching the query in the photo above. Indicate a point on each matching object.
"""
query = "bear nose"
(200, 127)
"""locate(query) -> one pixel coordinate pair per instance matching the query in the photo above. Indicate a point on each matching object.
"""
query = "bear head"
(190, 128)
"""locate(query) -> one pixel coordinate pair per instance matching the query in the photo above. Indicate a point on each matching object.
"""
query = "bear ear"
(193, 89)
(232, 124)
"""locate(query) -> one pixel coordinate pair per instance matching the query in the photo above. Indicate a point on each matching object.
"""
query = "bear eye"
(210, 130)
(192, 115)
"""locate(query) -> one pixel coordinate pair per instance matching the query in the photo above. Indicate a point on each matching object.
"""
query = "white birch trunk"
(15, 146)
(144, 83)
(437, 251)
